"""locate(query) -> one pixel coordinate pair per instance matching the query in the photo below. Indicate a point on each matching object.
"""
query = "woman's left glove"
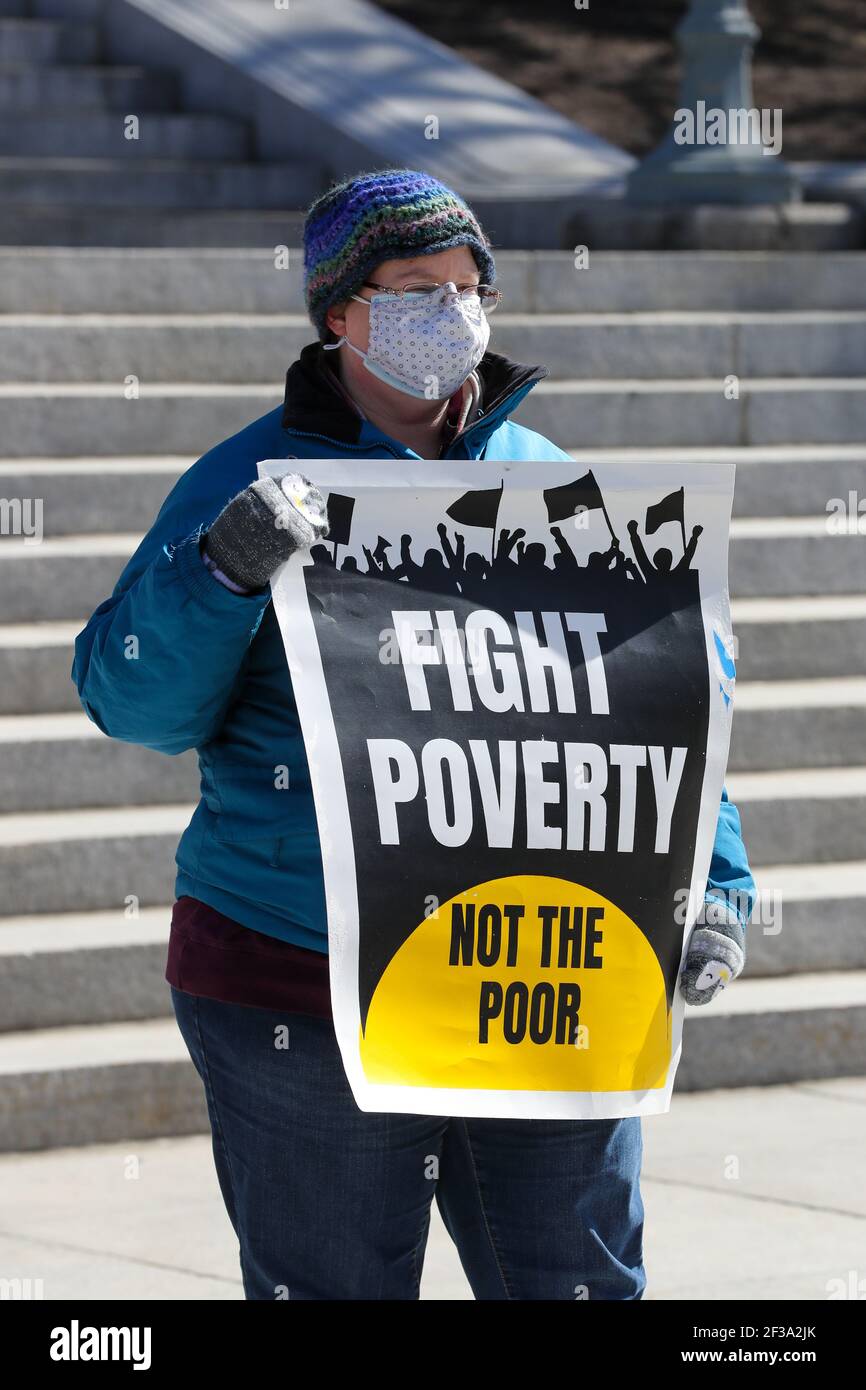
(263, 525)
(716, 952)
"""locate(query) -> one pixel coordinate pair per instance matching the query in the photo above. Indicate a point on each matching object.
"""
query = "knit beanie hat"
(379, 216)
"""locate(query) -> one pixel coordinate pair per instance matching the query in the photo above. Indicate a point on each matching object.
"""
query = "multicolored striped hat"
(380, 216)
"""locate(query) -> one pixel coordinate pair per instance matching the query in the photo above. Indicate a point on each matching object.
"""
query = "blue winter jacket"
(211, 672)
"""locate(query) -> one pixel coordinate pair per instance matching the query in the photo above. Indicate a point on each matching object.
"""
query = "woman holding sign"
(328, 1201)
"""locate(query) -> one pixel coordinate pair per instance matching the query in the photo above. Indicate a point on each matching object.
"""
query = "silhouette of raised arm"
(507, 541)
(640, 554)
(689, 553)
(454, 556)
(563, 547)
(631, 568)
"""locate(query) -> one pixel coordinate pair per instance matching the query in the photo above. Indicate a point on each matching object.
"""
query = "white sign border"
(713, 481)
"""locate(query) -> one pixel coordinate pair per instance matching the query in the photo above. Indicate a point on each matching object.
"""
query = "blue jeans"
(329, 1202)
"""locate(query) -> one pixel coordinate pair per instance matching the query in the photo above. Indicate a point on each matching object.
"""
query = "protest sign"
(516, 711)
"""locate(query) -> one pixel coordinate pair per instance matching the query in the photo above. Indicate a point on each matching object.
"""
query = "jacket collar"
(315, 402)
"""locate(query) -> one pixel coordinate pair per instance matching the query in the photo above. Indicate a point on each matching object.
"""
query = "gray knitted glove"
(716, 952)
(265, 524)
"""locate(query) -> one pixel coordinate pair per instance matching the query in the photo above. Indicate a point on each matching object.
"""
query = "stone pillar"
(716, 39)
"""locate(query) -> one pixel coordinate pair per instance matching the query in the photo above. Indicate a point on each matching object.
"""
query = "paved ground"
(793, 1218)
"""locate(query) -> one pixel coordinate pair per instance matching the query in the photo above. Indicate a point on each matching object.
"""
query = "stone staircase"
(94, 153)
(639, 347)
(88, 826)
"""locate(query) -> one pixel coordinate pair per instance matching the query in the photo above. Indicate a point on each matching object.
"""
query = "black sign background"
(655, 664)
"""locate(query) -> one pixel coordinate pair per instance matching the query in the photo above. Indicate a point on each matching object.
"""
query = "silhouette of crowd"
(516, 566)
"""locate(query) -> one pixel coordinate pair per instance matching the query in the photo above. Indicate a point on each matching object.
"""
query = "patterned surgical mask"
(423, 344)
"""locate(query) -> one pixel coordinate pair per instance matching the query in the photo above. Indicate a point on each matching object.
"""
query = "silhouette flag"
(477, 508)
(565, 500)
(340, 510)
(670, 508)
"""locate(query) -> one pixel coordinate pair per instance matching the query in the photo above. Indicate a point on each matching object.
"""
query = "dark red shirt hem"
(213, 956)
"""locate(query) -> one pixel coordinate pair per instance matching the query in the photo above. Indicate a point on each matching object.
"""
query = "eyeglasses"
(488, 295)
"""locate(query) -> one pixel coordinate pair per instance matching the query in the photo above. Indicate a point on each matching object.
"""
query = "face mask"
(425, 345)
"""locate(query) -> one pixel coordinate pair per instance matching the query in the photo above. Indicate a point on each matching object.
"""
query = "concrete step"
(678, 344)
(246, 347)
(772, 557)
(233, 348)
(102, 135)
(114, 227)
(86, 860)
(86, 1085)
(35, 661)
(68, 419)
(788, 638)
(64, 577)
(647, 413)
(66, 90)
(812, 723)
(147, 280)
(96, 1083)
(802, 815)
(56, 762)
(200, 278)
(92, 495)
(91, 419)
(84, 563)
(46, 41)
(616, 281)
(765, 1032)
(59, 761)
(808, 917)
(93, 967)
(124, 494)
(162, 183)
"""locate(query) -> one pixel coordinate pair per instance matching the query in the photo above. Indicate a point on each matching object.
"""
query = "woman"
(329, 1202)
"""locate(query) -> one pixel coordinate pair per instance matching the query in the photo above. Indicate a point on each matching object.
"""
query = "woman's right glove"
(263, 525)
(716, 951)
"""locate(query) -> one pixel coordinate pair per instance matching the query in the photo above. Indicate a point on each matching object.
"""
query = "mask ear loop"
(329, 347)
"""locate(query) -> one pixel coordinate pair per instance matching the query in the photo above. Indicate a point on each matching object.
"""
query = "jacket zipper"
(341, 444)
(360, 448)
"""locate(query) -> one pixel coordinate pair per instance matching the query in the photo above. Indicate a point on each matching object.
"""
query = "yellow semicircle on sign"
(422, 1027)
